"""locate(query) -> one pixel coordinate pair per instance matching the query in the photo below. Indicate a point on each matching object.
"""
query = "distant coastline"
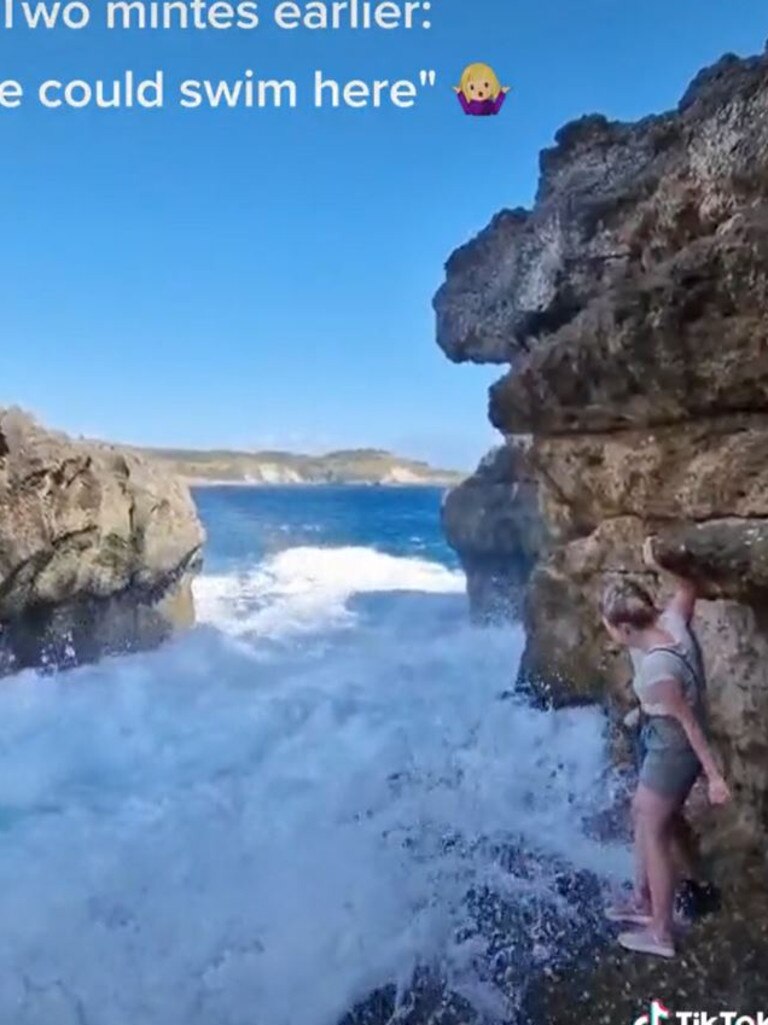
(365, 467)
(210, 482)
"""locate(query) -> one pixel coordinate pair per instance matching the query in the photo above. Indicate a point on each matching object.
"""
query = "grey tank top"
(680, 660)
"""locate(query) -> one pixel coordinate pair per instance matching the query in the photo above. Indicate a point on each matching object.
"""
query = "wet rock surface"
(563, 965)
(518, 944)
(720, 967)
(98, 549)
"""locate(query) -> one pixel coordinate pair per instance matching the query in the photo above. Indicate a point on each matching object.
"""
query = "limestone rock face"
(631, 305)
(492, 521)
(97, 548)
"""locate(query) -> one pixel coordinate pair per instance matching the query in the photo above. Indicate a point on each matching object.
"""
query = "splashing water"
(272, 816)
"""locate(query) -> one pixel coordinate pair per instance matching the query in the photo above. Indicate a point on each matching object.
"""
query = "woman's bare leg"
(655, 813)
(642, 890)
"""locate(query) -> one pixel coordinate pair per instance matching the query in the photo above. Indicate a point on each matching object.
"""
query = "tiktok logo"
(659, 1013)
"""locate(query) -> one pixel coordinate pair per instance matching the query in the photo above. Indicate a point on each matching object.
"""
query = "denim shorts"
(668, 764)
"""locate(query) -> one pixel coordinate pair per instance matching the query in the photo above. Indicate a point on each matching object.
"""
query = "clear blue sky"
(264, 278)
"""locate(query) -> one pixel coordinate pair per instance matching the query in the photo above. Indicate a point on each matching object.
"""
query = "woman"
(670, 685)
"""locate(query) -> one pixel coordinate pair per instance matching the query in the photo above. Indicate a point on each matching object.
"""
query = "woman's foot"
(646, 941)
(630, 911)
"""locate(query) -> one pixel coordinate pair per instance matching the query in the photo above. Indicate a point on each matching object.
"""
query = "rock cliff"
(492, 521)
(97, 548)
(631, 306)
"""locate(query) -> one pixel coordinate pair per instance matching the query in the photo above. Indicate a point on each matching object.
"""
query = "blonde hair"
(473, 72)
(626, 603)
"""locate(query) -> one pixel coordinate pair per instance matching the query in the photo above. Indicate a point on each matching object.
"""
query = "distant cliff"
(354, 466)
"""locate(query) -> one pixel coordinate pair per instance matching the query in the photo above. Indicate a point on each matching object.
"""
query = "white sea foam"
(226, 832)
(305, 589)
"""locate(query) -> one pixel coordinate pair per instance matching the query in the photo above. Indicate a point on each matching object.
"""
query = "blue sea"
(286, 808)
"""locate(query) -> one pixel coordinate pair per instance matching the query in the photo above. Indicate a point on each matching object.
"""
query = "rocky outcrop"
(631, 305)
(492, 521)
(97, 548)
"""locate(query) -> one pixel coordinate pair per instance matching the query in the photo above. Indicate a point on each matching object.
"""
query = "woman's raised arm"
(683, 601)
